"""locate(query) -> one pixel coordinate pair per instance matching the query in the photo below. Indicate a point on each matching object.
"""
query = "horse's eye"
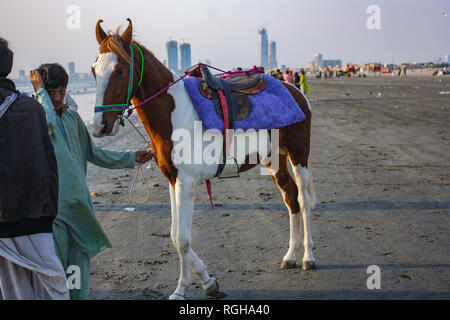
(120, 72)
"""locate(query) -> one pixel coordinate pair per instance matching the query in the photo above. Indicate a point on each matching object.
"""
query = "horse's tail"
(311, 191)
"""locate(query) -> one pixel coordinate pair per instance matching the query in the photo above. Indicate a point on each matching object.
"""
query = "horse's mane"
(113, 43)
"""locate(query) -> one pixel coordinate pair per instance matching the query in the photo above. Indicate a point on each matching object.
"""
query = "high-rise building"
(273, 55)
(172, 55)
(263, 49)
(71, 68)
(447, 58)
(318, 60)
(185, 53)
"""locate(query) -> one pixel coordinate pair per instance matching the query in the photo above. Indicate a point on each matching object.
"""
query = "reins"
(130, 110)
(139, 169)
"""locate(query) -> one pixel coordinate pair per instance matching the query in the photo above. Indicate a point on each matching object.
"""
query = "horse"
(172, 110)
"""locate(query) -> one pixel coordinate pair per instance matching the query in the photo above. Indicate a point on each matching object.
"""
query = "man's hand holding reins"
(144, 156)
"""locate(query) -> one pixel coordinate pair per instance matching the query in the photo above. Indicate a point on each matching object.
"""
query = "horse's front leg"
(173, 208)
(210, 285)
(184, 198)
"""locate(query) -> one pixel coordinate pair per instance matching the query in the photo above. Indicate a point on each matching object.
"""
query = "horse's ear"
(127, 36)
(101, 35)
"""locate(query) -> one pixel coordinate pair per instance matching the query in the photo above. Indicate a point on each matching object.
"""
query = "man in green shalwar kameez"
(77, 234)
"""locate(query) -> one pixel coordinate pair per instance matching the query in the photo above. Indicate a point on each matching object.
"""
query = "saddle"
(230, 98)
(236, 89)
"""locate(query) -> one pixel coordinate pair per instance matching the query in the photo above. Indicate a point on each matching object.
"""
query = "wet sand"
(380, 160)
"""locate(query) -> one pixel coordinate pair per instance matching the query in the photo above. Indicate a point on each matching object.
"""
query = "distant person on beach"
(279, 75)
(289, 78)
(77, 234)
(297, 80)
(304, 87)
(28, 196)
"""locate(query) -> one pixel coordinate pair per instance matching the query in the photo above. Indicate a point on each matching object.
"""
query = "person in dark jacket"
(28, 196)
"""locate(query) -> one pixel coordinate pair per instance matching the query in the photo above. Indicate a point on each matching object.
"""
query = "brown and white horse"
(173, 110)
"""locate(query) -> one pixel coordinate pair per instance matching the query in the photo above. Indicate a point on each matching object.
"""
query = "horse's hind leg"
(296, 142)
(288, 188)
(304, 184)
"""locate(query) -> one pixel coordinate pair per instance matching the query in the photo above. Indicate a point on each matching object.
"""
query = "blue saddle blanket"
(273, 108)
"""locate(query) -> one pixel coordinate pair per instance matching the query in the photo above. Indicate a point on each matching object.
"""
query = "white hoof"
(176, 296)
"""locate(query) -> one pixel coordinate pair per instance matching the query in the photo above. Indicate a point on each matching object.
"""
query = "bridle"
(127, 105)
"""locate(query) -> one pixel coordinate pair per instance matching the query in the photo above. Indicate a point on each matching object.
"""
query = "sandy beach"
(380, 161)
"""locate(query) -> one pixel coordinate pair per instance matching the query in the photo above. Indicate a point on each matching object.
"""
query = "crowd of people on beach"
(297, 79)
(442, 72)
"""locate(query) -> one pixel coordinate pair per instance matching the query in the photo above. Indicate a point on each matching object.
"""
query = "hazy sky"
(226, 31)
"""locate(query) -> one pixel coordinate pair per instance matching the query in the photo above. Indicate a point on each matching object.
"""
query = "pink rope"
(211, 67)
(130, 111)
(247, 72)
(228, 73)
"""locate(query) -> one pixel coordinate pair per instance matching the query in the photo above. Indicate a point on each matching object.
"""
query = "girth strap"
(226, 122)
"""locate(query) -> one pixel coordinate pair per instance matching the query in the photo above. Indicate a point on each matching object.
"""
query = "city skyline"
(306, 28)
(319, 62)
